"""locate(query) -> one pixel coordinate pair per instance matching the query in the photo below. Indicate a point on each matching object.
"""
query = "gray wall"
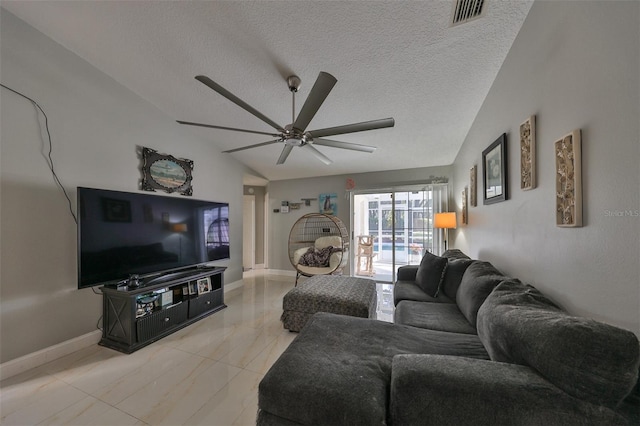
(280, 224)
(574, 65)
(95, 125)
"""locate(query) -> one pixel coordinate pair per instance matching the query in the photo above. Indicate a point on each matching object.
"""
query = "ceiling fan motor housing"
(295, 137)
(294, 82)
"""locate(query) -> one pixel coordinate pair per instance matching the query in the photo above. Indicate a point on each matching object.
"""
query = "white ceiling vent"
(466, 10)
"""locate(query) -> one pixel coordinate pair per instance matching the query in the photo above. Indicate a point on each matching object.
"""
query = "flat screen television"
(122, 234)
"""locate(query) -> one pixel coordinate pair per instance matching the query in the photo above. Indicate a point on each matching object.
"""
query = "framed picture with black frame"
(495, 171)
(116, 210)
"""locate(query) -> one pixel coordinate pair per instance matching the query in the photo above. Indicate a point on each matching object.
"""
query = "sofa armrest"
(407, 273)
(449, 390)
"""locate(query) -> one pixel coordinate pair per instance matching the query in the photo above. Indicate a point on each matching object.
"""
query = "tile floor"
(204, 374)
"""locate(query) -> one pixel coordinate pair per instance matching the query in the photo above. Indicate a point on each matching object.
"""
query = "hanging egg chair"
(318, 245)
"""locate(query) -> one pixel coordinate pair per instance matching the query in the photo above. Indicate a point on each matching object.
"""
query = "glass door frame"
(439, 202)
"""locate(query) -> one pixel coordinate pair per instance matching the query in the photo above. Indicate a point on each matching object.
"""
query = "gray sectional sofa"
(469, 346)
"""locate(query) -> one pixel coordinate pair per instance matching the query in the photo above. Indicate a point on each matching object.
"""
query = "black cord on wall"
(50, 158)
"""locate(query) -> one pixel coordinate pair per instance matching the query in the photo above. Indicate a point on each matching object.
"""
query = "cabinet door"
(204, 303)
(157, 323)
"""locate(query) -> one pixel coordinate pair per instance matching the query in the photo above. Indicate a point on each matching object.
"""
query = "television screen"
(122, 233)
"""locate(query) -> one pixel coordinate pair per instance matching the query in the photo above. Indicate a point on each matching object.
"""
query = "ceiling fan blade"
(320, 156)
(353, 128)
(236, 100)
(344, 145)
(189, 123)
(319, 92)
(251, 146)
(285, 153)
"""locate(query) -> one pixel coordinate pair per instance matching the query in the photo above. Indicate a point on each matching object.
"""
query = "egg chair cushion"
(331, 240)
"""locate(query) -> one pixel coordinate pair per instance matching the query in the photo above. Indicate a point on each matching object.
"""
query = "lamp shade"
(179, 227)
(445, 220)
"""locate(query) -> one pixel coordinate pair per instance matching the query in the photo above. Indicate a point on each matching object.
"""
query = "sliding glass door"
(393, 228)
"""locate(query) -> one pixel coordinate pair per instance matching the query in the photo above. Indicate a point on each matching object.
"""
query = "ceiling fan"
(296, 134)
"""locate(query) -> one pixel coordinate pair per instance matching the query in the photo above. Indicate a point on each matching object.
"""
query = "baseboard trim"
(281, 272)
(43, 356)
(233, 285)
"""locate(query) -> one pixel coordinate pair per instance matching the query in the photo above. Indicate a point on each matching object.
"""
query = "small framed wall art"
(473, 186)
(465, 216)
(328, 204)
(528, 154)
(568, 151)
(494, 171)
(166, 172)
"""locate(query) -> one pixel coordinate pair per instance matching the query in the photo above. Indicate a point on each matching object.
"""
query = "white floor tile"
(91, 411)
(37, 400)
(227, 405)
(205, 374)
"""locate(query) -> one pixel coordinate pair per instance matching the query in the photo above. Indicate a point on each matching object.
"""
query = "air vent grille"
(466, 10)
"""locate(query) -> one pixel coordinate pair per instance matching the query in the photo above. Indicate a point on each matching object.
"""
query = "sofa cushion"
(432, 316)
(445, 390)
(338, 369)
(479, 279)
(454, 254)
(403, 290)
(453, 276)
(585, 358)
(430, 273)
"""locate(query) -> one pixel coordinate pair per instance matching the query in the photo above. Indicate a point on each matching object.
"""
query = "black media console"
(135, 317)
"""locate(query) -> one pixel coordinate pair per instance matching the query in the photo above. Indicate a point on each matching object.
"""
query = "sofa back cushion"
(587, 359)
(456, 268)
(479, 279)
(430, 273)
(454, 254)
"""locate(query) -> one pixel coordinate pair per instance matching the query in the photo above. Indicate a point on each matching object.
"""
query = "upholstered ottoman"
(351, 296)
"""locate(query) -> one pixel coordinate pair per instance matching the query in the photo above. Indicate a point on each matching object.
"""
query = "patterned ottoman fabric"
(328, 293)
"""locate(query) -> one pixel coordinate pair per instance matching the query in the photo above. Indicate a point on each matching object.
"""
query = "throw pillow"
(477, 283)
(453, 276)
(430, 273)
(318, 258)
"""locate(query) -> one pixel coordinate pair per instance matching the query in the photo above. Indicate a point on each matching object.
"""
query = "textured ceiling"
(391, 58)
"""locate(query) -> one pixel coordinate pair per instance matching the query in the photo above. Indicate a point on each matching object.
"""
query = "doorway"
(248, 232)
(393, 228)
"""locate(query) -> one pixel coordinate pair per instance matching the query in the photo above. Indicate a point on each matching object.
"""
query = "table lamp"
(445, 221)
(180, 228)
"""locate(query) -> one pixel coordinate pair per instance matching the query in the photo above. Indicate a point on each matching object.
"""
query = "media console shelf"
(134, 318)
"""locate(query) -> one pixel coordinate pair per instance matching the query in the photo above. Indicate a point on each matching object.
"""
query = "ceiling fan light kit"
(295, 134)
